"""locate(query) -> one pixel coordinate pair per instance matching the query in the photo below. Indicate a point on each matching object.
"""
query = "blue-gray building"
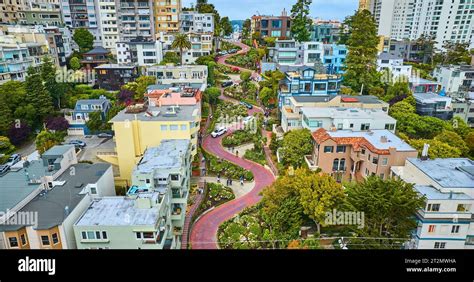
(80, 115)
(306, 81)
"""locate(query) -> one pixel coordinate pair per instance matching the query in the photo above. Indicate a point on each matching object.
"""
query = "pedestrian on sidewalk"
(242, 180)
(230, 181)
(237, 153)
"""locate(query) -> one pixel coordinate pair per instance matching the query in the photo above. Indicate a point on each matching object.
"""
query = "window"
(433, 207)
(139, 235)
(365, 126)
(45, 240)
(23, 239)
(339, 126)
(164, 127)
(342, 165)
(104, 235)
(390, 126)
(335, 164)
(97, 235)
(13, 242)
(363, 152)
(174, 177)
(55, 238)
(328, 149)
(384, 161)
(90, 235)
(184, 127)
(382, 176)
(375, 160)
(463, 207)
(173, 127)
(341, 149)
(431, 228)
(84, 235)
(148, 235)
(93, 191)
(440, 245)
(455, 229)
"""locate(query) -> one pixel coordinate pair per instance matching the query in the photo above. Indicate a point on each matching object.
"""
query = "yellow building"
(166, 14)
(140, 127)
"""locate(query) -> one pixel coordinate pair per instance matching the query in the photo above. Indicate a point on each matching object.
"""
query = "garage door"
(75, 131)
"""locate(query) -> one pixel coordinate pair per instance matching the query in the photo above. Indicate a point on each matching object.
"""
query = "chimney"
(284, 13)
(383, 139)
(424, 153)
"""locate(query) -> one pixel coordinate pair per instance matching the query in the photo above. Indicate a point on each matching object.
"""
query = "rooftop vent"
(78, 185)
(383, 139)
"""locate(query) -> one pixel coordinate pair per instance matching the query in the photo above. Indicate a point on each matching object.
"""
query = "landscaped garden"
(217, 194)
(238, 137)
(225, 168)
(248, 60)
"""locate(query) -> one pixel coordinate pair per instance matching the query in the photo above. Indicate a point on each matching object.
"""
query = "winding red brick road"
(204, 231)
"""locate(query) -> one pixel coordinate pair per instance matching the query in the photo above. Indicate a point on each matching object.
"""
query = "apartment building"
(306, 81)
(434, 105)
(313, 118)
(394, 65)
(354, 155)
(108, 24)
(151, 215)
(11, 11)
(95, 57)
(408, 50)
(135, 19)
(42, 12)
(291, 114)
(171, 74)
(446, 21)
(112, 77)
(463, 107)
(139, 52)
(166, 15)
(57, 190)
(273, 26)
(82, 14)
(201, 45)
(445, 222)
(325, 31)
(133, 125)
(455, 80)
(334, 58)
(191, 21)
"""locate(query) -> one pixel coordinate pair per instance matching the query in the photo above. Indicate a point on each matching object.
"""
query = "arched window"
(335, 164)
(342, 165)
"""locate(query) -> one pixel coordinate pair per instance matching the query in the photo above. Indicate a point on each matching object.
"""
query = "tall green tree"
(38, 96)
(454, 140)
(181, 42)
(389, 207)
(296, 144)
(75, 63)
(454, 54)
(361, 61)
(6, 117)
(226, 26)
(438, 149)
(47, 139)
(84, 39)
(246, 28)
(212, 95)
(300, 21)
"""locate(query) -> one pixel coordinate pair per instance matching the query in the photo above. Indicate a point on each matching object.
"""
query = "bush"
(238, 138)
(225, 168)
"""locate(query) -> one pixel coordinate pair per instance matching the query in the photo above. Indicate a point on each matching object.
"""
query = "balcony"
(311, 162)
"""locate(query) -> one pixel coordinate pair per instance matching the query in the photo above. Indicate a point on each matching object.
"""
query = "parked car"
(247, 105)
(218, 132)
(4, 168)
(227, 83)
(13, 159)
(105, 135)
(77, 143)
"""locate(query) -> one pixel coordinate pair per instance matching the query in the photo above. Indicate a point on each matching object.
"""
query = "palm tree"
(181, 42)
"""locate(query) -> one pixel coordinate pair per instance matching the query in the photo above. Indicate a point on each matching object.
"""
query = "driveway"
(94, 145)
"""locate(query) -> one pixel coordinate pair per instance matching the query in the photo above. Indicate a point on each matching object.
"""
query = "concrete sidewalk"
(238, 189)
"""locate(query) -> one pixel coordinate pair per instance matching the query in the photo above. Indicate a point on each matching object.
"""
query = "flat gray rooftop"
(365, 99)
(185, 113)
(432, 193)
(117, 211)
(51, 206)
(350, 113)
(58, 150)
(374, 137)
(167, 155)
(448, 173)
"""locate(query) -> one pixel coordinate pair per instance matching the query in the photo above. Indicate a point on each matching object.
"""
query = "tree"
(142, 85)
(301, 22)
(296, 144)
(389, 207)
(438, 149)
(47, 139)
(470, 143)
(401, 109)
(361, 61)
(454, 140)
(212, 95)
(226, 26)
(125, 95)
(19, 132)
(84, 39)
(245, 76)
(181, 42)
(319, 194)
(377, 91)
(38, 96)
(397, 89)
(265, 95)
(454, 54)
(6, 146)
(426, 44)
(95, 122)
(246, 28)
(58, 123)
(75, 63)
(170, 58)
(5, 115)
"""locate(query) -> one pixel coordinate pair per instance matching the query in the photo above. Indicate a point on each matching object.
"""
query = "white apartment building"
(388, 61)
(108, 24)
(190, 21)
(140, 53)
(448, 185)
(82, 14)
(409, 19)
(455, 80)
(171, 74)
(201, 45)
